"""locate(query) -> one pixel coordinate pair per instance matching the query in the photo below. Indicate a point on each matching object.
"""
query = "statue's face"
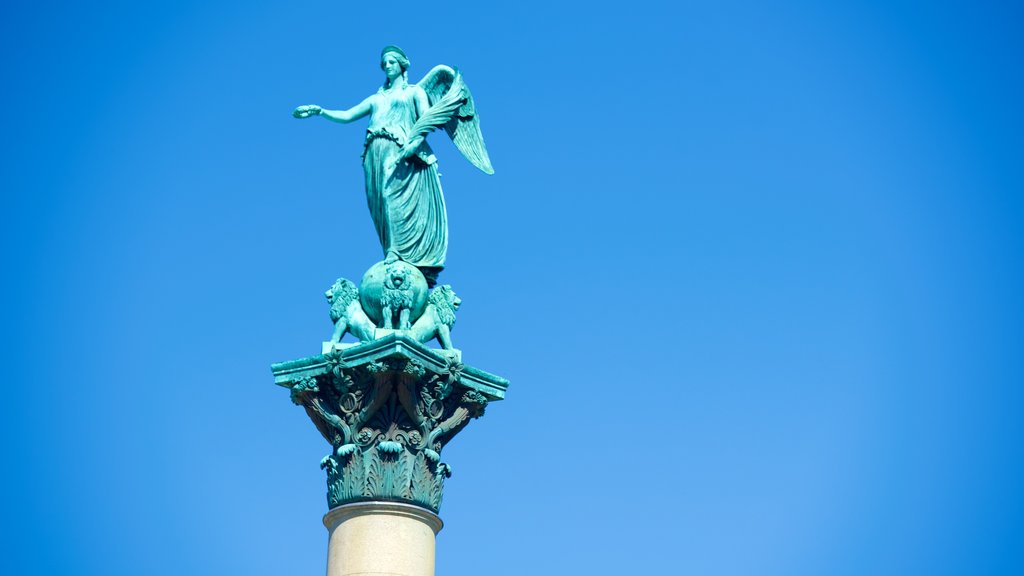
(391, 66)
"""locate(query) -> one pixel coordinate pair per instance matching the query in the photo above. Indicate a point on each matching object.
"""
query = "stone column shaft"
(381, 539)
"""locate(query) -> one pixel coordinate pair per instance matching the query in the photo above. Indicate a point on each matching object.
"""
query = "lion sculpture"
(438, 317)
(396, 297)
(347, 313)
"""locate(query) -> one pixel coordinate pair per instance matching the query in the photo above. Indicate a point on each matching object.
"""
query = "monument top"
(389, 404)
(403, 187)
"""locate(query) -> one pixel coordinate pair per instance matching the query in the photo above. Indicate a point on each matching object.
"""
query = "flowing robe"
(405, 201)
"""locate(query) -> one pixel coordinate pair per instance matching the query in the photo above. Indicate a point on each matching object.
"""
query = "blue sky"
(753, 271)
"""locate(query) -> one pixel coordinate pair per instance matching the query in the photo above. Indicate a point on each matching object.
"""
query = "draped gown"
(405, 201)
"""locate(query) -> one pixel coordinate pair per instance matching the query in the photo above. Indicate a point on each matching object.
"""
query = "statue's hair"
(443, 299)
(402, 61)
(343, 293)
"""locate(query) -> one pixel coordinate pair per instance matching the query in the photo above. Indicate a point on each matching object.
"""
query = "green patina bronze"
(388, 407)
(403, 189)
(379, 307)
(388, 403)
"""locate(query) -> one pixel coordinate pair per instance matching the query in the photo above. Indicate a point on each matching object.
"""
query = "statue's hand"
(306, 111)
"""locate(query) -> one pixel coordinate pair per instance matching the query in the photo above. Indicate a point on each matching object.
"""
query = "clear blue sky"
(753, 270)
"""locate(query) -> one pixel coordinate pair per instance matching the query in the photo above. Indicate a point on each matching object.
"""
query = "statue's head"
(393, 62)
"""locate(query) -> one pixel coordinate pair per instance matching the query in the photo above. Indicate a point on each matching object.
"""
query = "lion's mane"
(392, 296)
(343, 293)
(443, 299)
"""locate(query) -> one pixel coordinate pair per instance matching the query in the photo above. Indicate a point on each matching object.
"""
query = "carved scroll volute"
(387, 421)
(412, 377)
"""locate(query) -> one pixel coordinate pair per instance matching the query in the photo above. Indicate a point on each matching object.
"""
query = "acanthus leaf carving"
(387, 421)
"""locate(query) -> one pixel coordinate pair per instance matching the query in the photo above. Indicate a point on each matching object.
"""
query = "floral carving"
(303, 388)
(414, 369)
(387, 422)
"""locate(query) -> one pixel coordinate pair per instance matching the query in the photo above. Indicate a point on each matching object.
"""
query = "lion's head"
(446, 303)
(396, 277)
(340, 295)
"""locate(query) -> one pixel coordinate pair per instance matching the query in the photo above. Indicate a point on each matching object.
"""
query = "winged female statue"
(403, 190)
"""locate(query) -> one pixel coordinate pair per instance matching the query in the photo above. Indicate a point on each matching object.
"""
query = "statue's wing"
(451, 106)
(438, 82)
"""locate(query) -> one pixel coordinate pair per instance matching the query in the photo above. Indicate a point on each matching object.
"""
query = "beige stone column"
(381, 538)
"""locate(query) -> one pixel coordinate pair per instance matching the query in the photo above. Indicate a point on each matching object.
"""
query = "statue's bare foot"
(391, 257)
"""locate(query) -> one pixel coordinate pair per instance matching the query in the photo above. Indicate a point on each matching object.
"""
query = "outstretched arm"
(342, 116)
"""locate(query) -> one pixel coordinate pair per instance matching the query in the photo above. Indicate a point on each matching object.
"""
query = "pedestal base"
(381, 539)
